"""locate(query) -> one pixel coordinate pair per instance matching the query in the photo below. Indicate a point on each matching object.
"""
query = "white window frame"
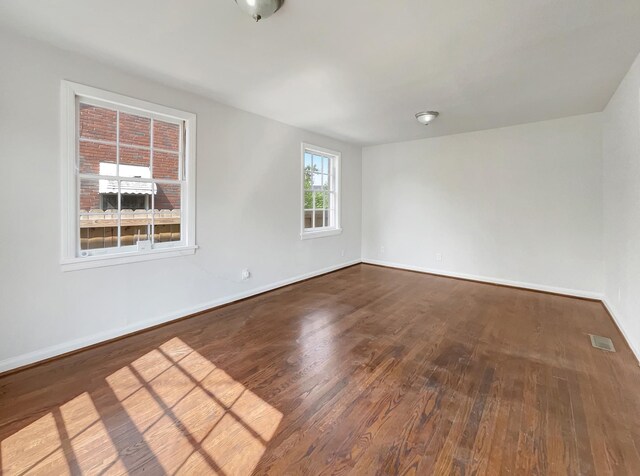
(72, 259)
(336, 158)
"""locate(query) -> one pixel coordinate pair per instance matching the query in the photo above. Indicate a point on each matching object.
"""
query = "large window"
(129, 179)
(320, 192)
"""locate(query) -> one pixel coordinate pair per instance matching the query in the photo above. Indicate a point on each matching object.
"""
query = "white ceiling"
(360, 69)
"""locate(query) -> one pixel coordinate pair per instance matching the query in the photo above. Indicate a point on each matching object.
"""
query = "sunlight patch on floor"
(177, 411)
(28, 449)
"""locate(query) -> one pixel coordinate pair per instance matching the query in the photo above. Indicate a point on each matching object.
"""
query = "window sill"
(309, 235)
(74, 264)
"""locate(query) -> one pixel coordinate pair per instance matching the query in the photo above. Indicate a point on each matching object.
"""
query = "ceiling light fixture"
(425, 118)
(259, 9)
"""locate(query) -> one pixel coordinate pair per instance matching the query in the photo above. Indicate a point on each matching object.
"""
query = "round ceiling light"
(259, 9)
(427, 117)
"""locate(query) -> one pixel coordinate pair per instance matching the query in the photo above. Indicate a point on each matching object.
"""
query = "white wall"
(248, 193)
(621, 150)
(520, 205)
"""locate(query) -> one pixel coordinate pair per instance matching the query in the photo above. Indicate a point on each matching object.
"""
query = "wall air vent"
(602, 343)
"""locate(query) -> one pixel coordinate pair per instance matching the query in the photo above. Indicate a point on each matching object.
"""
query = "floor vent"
(602, 343)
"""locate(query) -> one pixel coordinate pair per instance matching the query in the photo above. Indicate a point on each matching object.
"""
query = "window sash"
(118, 108)
(151, 233)
(151, 211)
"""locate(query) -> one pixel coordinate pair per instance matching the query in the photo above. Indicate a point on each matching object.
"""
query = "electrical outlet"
(342, 253)
(438, 256)
(246, 274)
(382, 250)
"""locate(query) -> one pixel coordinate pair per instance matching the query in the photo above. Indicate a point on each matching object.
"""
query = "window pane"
(135, 218)
(136, 226)
(93, 154)
(167, 226)
(308, 218)
(168, 196)
(134, 195)
(330, 218)
(109, 201)
(166, 136)
(90, 195)
(165, 165)
(319, 218)
(325, 165)
(97, 123)
(167, 213)
(308, 200)
(98, 228)
(308, 171)
(139, 159)
(319, 200)
(317, 164)
(135, 130)
(308, 178)
(135, 201)
(98, 231)
(134, 163)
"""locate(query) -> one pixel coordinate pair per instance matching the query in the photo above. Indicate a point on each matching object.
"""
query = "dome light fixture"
(259, 9)
(425, 118)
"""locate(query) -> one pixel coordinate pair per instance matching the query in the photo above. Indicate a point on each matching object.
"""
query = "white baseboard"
(614, 314)
(485, 279)
(76, 344)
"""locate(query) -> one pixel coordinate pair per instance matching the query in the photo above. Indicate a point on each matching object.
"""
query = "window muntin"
(320, 197)
(130, 168)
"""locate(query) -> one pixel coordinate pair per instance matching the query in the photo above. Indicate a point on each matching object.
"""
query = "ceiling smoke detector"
(259, 9)
(425, 118)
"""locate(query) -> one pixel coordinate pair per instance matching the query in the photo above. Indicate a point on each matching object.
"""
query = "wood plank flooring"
(363, 371)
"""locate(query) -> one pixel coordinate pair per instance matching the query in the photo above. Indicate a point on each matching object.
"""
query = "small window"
(129, 187)
(320, 192)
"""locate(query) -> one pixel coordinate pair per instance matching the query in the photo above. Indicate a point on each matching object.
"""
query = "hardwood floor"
(363, 371)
